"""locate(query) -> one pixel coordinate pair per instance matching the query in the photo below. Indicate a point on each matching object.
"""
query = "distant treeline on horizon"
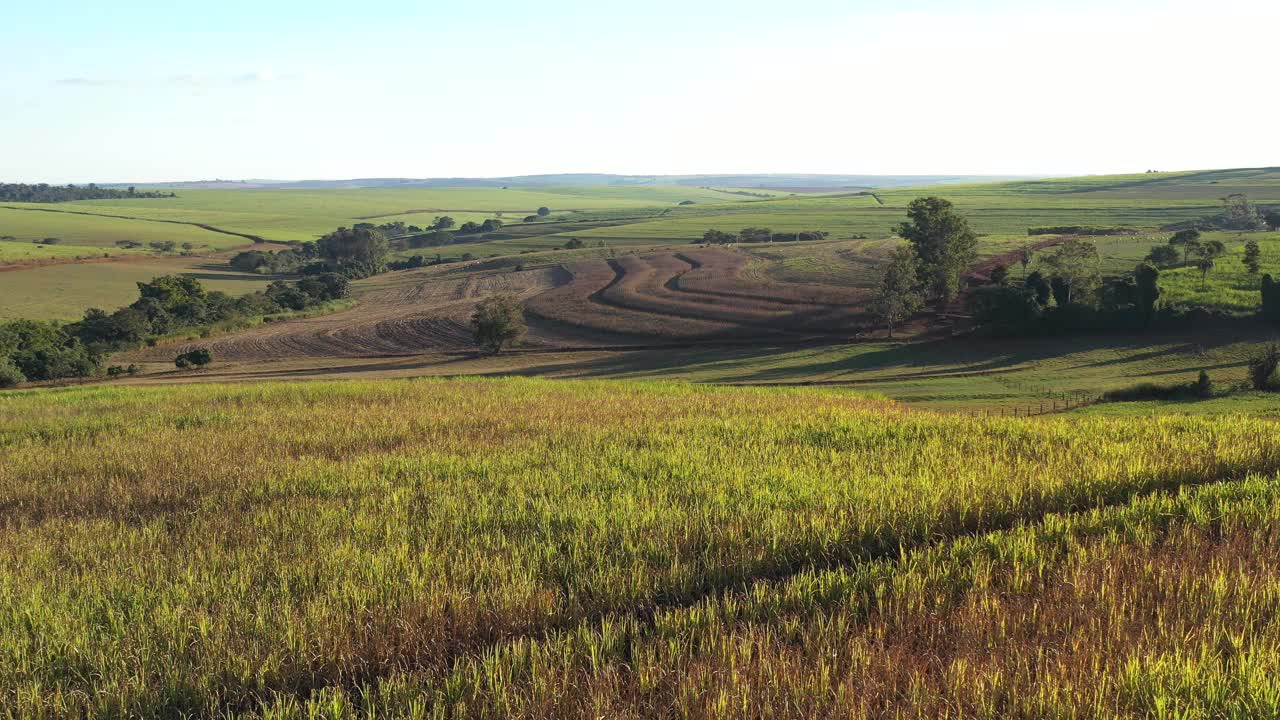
(42, 193)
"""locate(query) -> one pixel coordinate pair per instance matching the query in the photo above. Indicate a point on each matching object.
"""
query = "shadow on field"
(1108, 357)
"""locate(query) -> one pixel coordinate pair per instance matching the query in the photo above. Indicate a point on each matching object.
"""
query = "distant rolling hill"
(781, 181)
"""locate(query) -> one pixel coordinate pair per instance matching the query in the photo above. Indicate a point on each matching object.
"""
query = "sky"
(148, 91)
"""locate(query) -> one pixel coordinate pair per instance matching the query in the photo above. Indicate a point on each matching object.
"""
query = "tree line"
(36, 350)
(1066, 292)
(759, 235)
(42, 193)
(352, 253)
(1238, 213)
(362, 250)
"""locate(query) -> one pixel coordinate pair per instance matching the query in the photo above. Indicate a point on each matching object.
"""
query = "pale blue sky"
(150, 91)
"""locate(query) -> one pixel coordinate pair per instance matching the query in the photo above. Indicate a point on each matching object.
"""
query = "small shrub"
(194, 358)
(1262, 368)
(1204, 386)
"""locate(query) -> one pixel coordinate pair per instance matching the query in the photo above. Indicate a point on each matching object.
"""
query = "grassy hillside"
(540, 549)
(286, 215)
(625, 219)
(37, 222)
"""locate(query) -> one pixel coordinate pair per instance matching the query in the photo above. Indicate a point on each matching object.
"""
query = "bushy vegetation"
(498, 322)
(580, 550)
(195, 358)
(165, 305)
(356, 252)
(1238, 213)
(32, 350)
(1263, 366)
(42, 193)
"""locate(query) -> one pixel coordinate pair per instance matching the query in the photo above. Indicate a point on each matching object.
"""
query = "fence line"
(1054, 403)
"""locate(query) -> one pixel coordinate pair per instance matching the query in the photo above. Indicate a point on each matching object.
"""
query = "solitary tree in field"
(195, 358)
(898, 295)
(1211, 249)
(1025, 255)
(1074, 266)
(1262, 368)
(1146, 289)
(1187, 241)
(1270, 299)
(1206, 265)
(498, 322)
(1253, 257)
(943, 242)
(544, 211)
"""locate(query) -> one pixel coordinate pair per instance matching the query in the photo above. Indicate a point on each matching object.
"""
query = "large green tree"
(1238, 213)
(944, 244)
(1074, 264)
(1188, 241)
(1146, 281)
(897, 297)
(498, 322)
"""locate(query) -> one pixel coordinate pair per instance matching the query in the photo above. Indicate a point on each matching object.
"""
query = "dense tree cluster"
(1068, 295)
(944, 244)
(435, 238)
(473, 228)
(31, 350)
(390, 229)
(1238, 213)
(194, 358)
(284, 262)
(353, 253)
(42, 193)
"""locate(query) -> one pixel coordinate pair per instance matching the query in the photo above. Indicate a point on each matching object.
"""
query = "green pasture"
(16, 251)
(291, 215)
(64, 291)
(37, 223)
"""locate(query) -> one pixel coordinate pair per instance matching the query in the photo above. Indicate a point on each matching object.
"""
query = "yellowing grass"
(283, 549)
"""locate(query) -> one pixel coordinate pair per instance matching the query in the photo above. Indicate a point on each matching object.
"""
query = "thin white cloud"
(84, 81)
(187, 80)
